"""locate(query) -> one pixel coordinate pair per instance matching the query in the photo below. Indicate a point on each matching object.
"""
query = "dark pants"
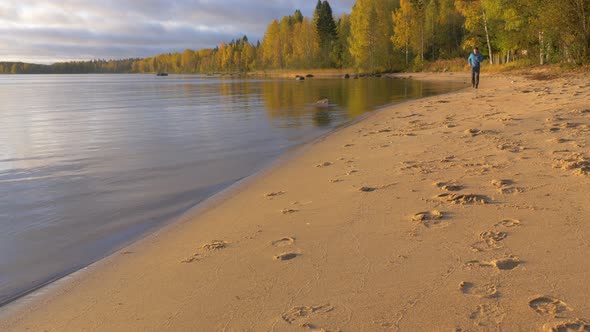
(475, 77)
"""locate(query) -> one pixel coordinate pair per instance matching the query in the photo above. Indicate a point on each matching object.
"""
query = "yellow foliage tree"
(370, 25)
(404, 21)
(305, 44)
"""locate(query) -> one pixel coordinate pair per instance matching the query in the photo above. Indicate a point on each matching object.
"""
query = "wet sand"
(467, 211)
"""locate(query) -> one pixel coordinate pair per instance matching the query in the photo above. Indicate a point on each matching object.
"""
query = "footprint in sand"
(448, 159)
(576, 325)
(513, 147)
(304, 312)
(408, 116)
(558, 140)
(504, 187)
(509, 223)
(548, 306)
(464, 199)
(324, 164)
(492, 238)
(487, 315)
(567, 125)
(215, 245)
(313, 327)
(448, 186)
(580, 112)
(506, 119)
(472, 132)
(284, 242)
(511, 190)
(191, 259)
(508, 263)
(286, 256)
(489, 240)
(212, 246)
(431, 219)
(405, 134)
(483, 291)
(432, 215)
(274, 194)
(576, 163)
(501, 184)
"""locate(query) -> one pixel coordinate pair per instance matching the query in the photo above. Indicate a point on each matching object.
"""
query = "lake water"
(89, 163)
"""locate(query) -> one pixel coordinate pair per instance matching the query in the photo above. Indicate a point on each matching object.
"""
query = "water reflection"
(350, 98)
(322, 116)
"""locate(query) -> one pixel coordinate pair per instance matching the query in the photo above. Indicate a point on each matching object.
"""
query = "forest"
(380, 36)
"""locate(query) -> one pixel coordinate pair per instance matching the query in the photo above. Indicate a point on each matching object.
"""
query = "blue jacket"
(475, 59)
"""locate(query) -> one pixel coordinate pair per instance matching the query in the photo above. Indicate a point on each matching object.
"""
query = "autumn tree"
(286, 40)
(444, 25)
(271, 46)
(305, 45)
(325, 26)
(248, 58)
(476, 19)
(419, 40)
(298, 16)
(404, 21)
(564, 29)
(189, 61)
(370, 31)
(341, 53)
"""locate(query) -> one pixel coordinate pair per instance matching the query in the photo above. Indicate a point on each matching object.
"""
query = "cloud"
(46, 31)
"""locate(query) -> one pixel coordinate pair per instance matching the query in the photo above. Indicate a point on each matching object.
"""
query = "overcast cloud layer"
(46, 31)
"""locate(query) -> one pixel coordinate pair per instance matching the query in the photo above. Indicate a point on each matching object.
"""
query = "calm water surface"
(88, 163)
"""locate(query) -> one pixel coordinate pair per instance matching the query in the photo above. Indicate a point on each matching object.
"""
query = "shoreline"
(208, 203)
(199, 206)
(335, 236)
(311, 122)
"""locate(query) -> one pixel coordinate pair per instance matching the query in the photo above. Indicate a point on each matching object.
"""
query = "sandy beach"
(462, 212)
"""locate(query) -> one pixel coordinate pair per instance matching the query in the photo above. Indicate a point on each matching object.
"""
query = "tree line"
(379, 36)
(72, 67)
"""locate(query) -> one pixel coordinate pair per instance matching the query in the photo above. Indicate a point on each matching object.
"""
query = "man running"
(475, 60)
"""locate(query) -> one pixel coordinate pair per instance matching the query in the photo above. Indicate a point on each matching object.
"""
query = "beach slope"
(467, 211)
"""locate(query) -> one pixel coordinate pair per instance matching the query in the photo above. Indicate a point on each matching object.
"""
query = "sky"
(47, 31)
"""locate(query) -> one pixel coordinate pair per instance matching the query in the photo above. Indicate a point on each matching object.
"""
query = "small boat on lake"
(162, 74)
